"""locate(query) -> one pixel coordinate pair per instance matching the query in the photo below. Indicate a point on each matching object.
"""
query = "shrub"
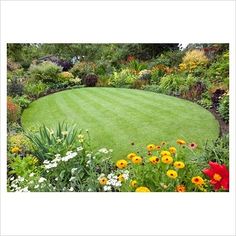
(65, 76)
(103, 81)
(15, 87)
(171, 84)
(218, 72)
(123, 78)
(223, 108)
(48, 142)
(152, 88)
(157, 73)
(22, 101)
(139, 84)
(205, 102)
(193, 59)
(46, 72)
(192, 88)
(20, 141)
(75, 82)
(12, 65)
(103, 67)
(35, 89)
(13, 111)
(81, 69)
(136, 65)
(22, 166)
(216, 92)
(16, 74)
(144, 75)
(13, 128)
(90, 80)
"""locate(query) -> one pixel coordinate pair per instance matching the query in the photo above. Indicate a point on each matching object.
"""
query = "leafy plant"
(13, 111)
(170, 84)
(145, 75)
(193, 59)
(217, 150)
(48, 142)
(22, 166)
(123, 78)
(20, 141)
(15, 87)
(90, 80)
(218, 72)
(152, 88)
(22, 101)
(192, 88)
(65, 76)
(46, 72)
(223, 108)
(136, 65)
(83, 68)
(35, 89)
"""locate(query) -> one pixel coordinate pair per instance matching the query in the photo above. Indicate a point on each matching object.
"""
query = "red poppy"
(218, 174)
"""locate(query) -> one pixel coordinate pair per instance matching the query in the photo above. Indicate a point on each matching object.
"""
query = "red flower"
(218, 174)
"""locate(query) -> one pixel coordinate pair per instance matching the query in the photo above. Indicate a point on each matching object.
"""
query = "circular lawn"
(117, 118)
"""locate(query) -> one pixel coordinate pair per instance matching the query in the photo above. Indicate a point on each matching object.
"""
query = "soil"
(224, 127)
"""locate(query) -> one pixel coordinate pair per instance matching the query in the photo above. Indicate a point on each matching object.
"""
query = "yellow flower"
(180, 188)
(121, 164)
(131, 155)
(154, 159)
(198, 180)
(165, 153)
(103, 181)
(137, 160)
(180, 141)
(142, 189)
(167, 159)
(151, 147)
(15, 150)
(121, 178)
(179, 165)
(172, 174)
(134, 183)
(172, 150)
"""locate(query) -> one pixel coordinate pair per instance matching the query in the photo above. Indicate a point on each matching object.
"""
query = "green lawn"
(117, 117)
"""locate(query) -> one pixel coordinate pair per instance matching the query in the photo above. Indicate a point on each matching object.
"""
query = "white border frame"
(118, 213)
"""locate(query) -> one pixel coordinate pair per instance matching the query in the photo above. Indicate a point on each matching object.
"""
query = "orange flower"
(131, 155)
(180, 142)
(137, 160)
(180, 188)
(172, 150)
(121, 164)
(167, 159)
(151, 147)
(197, 180)
(165, 153)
